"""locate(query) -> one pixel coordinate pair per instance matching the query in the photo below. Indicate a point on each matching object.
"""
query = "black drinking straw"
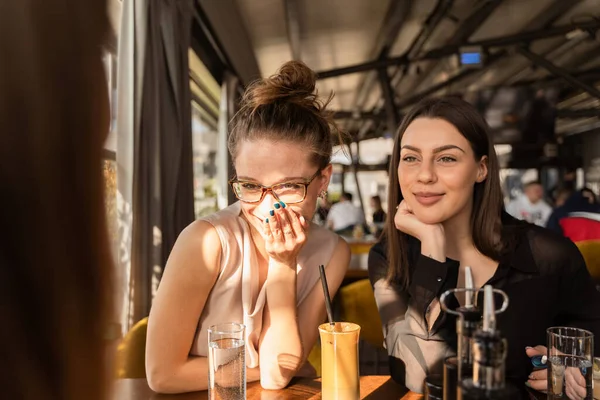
(326, 293)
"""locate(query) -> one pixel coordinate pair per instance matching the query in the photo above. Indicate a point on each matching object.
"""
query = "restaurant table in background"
(371, 387)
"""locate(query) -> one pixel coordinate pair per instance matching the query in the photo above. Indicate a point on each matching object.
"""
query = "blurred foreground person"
(54, 253)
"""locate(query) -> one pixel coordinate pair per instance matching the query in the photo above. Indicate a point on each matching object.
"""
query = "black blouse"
(543, 274)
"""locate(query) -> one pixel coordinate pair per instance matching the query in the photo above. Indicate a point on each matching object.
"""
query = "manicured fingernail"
(528, 347)
(282, 204)
(272, 213)
(267, 221)
(539, 361)
(277, 206)
(302, 219)
(527, 384)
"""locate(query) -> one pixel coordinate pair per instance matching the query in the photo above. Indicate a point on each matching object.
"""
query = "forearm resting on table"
(190, 377)
(280, 345)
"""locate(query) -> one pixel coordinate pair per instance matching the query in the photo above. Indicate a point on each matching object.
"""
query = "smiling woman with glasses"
(257, 261)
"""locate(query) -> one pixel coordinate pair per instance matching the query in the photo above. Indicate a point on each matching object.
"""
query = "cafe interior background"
(171, 107)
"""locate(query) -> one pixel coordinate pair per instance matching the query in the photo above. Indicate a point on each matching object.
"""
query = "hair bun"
(294, 83)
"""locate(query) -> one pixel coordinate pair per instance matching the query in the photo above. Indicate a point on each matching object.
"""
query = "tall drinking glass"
(570, 363)
(339, 361)
(226, 362)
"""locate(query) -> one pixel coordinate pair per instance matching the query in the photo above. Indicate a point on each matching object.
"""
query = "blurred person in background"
(561, 195)
(589, 195)
(531, 206)
(344, 216)
(566, 218)
(54, 253)
(379, 215)
(567, 183)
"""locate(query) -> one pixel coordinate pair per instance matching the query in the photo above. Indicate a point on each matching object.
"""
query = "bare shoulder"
(201, 234)
(197, 250)
(340, 259)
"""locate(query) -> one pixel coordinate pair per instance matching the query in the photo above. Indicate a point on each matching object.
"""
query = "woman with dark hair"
(378, 214)
(255, 262)
(54, 253)
(446, 199)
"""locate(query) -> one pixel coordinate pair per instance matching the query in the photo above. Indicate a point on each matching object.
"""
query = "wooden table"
(371, 388)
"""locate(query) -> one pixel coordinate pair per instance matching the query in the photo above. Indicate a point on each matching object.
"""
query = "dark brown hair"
(286, 107)
(487, 195)
(54, 253)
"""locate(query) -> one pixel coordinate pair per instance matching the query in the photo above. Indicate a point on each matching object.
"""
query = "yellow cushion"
(590, 250)
(131, 353)
(360, 247)
(314, 358)
(358, 306)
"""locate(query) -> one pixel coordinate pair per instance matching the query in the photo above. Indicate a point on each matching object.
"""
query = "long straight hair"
(54, 253)
(487, 196)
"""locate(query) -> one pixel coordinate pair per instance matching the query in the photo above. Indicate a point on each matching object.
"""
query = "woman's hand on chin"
(406, 221)
(433, 241)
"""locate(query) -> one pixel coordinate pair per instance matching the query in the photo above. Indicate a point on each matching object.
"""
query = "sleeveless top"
(235, 296)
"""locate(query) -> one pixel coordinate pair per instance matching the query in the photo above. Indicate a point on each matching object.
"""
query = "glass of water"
(226, 362)
(570, 363)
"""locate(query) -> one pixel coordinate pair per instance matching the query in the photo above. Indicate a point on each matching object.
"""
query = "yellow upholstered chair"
(131, 353)
(590, 250)
(314, 358)
(358, 305)
(360, 247)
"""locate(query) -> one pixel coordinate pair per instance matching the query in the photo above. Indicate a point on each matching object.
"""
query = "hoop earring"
(323, 194)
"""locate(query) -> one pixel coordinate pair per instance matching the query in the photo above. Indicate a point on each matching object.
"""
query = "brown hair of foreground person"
(54, 257)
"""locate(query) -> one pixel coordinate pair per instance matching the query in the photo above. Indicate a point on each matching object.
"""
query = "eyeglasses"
(288, 192)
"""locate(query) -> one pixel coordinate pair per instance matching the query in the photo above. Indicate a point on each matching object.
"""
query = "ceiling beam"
(589, 75)
(461, 35)
(389, 99)
(395, 18)
(439, 12)
(408, 101)
(544, 20)
(444, 51)
(553, 12)
(393, 24)
(558, 71)
(293, 24)
(473, 22)
(578, 113)
(224, 20)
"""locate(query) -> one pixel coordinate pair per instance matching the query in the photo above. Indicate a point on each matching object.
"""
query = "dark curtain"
(163, 198)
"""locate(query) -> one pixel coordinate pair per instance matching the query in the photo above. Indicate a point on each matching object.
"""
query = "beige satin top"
(236, 297)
